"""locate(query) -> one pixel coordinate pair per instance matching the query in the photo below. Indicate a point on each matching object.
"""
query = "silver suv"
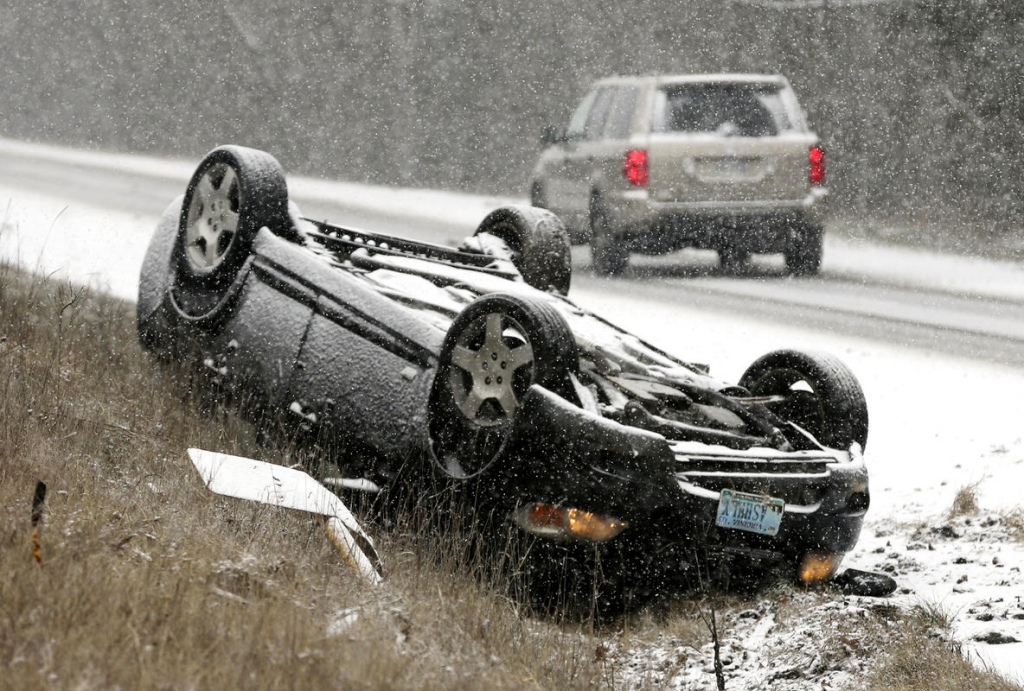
(655, 164)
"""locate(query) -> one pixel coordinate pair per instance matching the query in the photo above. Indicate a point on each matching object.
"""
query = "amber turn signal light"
(562, 522)
(817, 567)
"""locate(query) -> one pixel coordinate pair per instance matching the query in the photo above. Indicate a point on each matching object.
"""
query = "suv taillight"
(817, 160)
(634, 167)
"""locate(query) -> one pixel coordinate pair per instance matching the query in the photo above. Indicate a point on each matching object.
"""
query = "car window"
(578, 121)
(742, 110)
(599, 113)
(620, 114)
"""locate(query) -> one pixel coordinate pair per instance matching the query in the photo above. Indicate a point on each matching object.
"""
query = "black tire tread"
(804, 251)
(608, 257)
(539, 243)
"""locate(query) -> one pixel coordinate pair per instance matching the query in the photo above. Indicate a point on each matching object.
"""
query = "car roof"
(711, 78)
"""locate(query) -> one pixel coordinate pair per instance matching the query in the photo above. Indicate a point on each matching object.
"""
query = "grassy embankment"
(146, 581)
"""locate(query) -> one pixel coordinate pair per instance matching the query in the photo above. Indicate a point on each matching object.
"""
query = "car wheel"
(608, 254)
(732, 258)
(815, 391)
(495, 350)
(233, 193)
(804, 250)
(539, 243)
(537, 196)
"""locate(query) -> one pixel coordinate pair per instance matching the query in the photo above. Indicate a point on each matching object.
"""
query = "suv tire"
(804, 250)
(732, 259)
(608, 254)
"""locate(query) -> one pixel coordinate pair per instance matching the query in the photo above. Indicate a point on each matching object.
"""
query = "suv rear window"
(742, 110)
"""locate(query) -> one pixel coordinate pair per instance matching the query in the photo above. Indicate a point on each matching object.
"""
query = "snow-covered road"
(938, 422)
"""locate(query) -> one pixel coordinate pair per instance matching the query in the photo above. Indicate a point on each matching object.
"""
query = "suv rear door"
(728, 142)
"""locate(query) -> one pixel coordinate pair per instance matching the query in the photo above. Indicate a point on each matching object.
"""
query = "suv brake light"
(817, 160)
(634, 167)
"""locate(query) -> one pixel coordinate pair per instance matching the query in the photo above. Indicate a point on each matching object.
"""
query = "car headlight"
(567, 523)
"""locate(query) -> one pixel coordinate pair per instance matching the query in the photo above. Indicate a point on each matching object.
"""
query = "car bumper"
(825, 495)
(669, 492)
(651, 223)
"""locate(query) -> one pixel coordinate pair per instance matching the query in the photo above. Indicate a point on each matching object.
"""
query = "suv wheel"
(537, 196)
(803, 251)
(609, 255)
(732, 258)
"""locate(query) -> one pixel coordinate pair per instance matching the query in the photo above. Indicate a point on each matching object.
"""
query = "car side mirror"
(552, 135)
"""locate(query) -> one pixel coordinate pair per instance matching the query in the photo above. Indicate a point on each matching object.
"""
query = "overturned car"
(472, 367)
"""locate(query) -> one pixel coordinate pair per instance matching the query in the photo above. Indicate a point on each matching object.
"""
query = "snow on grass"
(96, 247)
(938, 424)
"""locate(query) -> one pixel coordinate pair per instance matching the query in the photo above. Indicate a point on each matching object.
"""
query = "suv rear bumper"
(754, 226)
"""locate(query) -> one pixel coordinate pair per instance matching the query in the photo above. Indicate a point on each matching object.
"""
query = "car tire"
(732, 259)
(813, 390)
(539, 243)
(537, 195)
(608, 254)
(804, 250)
(233, 193)
(495, 350)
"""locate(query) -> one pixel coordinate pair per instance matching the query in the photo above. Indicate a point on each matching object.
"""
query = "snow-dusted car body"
(472, 366)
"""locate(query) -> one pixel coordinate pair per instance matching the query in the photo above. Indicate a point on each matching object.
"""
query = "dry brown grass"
(965, 503)
(919, 659)
(147, 580)
(1014, 521)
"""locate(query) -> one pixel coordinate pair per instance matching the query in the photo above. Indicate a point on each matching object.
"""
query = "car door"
(365, 365)
(259, 345)
(315, 340)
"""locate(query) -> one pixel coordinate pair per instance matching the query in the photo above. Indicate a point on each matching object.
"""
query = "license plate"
(756, 513)
(716, 168)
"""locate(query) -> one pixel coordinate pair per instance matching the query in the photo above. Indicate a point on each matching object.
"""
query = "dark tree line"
(920, 103)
